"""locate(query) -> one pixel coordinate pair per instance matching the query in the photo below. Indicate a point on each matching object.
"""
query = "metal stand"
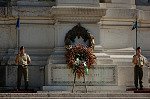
(85, 83)
(75, 82)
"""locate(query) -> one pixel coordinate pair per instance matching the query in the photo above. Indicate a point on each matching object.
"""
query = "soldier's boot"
(26, 85)
(18, 85)
(141, 85)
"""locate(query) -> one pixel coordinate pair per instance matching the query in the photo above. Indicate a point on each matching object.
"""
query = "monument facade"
(44, 25)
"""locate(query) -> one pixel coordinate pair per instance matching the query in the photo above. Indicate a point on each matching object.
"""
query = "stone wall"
(8, 36)
(37, 36)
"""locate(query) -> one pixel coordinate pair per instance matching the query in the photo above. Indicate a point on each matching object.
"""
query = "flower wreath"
(80, 58)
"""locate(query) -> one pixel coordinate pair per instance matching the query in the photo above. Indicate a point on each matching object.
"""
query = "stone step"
(62, 50)
(97, 89)
(77, 98)
(39, 58)
(124, 63)
(104, 61)
(69, 95)
(125, 51)
(101, 65)
(120, 53)
(74, 97)
(102, 55)
(57, 57)
(124, 60)
(58, 61)
(98, 61)
(61, 55)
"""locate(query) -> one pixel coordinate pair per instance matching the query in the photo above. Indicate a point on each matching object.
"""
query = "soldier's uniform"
(139, 62)
(22, 61)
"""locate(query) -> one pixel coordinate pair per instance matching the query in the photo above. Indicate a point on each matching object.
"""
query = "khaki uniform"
(139, 62)
(22, 61)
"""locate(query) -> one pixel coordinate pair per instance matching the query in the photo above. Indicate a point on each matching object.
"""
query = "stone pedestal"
(113, 71)
(104, 72)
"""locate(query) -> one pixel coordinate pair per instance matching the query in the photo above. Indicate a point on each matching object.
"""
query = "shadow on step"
(18, 91)
(144, 90)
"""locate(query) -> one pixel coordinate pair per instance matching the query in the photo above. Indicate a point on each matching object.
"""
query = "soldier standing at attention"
(139, 61)
(22, 60)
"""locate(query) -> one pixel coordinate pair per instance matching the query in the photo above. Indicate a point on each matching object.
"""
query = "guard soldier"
(22, 60)
(139, 61)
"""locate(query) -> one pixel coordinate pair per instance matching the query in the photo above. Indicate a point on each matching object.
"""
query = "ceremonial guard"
(139, 61)
(22, 60)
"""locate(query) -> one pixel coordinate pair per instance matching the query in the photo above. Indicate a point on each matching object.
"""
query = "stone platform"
(68, 95)
(109, 72)
(144, 90)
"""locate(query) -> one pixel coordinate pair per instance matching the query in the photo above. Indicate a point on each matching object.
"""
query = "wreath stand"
(75, 82)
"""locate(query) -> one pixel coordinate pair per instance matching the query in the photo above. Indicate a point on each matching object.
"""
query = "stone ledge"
(78, 11)
(78, 2)
(27, 20)
(121, 13)
(77, 14)
(34, 3)
(116, 5)
(82, 88)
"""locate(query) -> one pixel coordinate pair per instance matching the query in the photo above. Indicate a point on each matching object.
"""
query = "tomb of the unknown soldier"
(88, 49)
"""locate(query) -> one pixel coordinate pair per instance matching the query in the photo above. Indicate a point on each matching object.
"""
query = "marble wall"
(7, 36)
(37, 36)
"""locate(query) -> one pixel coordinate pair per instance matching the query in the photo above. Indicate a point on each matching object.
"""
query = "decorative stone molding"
(116, 5)
(121, 13)
(34, 3)
(78, 2)
(27, 20)
(83, 14)
(32, 11)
